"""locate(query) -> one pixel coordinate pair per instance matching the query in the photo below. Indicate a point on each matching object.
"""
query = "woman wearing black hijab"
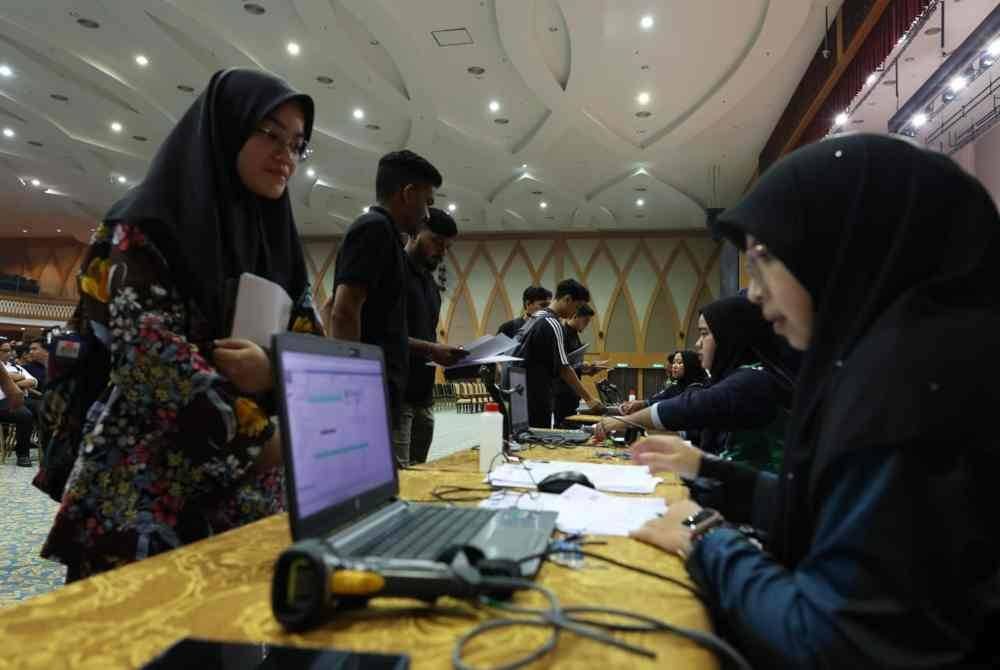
(740, 415)
(176, 446)
(878, 259)
(684, 369)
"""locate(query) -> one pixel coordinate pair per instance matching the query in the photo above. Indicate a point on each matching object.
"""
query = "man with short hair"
(369, 299)
(533, 299)
(12, 409)
(424, 252)
(544, 351)
(37, 361)
(566, 400)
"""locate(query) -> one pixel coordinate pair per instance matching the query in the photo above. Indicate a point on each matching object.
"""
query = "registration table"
(219, 589)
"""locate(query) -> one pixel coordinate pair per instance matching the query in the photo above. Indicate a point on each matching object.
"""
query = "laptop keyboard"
(569, 435)
(426, 532)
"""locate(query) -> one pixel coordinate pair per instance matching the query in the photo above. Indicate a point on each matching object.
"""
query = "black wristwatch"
(702, 516)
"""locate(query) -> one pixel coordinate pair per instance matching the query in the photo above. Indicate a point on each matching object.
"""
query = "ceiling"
(569, 131)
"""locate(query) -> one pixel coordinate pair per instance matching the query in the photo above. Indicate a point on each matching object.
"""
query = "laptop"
(519, 427)
(341, 481)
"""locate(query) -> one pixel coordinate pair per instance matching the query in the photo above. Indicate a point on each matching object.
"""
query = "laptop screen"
(337, 420)
(518, 401)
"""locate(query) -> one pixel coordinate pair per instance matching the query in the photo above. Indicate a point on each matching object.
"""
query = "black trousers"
(23, 422)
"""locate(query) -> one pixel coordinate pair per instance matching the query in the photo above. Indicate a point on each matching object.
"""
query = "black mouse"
(560, 481)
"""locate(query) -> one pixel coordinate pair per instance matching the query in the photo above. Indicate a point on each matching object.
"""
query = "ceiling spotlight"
(957, 83)
(494, 106)
(543, 204)
(475, 70)
(122, 179)
(640, 202)
(24, 230)
(646, 22)
(919, 120)
(293, 48)
(116, 127)
(8, 132)
(358, 113)
(642, 98)
(36, 182)
(872, 78)
(141, 60)
(452, 207)
(364, 210)
(948, 96)
(310, 173)
(58, 230)
(6, 71)
(841, 119)
(524, 166)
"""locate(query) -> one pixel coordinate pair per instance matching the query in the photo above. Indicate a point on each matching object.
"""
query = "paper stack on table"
(584, 510)
(486, 349)
(605, 477)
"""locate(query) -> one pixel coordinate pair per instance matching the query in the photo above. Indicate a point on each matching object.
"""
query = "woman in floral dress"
(178, 445)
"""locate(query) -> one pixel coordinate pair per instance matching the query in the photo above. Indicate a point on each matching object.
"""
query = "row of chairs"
(8, 442)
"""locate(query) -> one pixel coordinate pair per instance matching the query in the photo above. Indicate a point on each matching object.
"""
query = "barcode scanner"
(311, 583)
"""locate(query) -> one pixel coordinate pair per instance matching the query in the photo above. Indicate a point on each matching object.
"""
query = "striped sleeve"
(560, 345)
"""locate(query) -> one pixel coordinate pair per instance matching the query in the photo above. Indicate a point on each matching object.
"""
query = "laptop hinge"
(356, 529)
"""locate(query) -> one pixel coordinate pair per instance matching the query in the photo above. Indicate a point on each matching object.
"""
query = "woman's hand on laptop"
(245, 364)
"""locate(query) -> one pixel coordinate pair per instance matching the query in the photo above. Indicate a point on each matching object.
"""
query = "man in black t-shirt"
(566, 400)
(412, 437)
(533, 299)
(369, 299)
(544, 351)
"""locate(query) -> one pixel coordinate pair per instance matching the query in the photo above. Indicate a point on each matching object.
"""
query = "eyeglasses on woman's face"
(297, 147)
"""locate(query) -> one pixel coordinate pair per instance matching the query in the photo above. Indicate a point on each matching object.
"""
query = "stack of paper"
(263, 308)
(605, 477)
(486, 349)
(584, 510)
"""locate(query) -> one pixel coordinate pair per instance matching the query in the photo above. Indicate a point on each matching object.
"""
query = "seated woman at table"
(685, 370)
(868, 253)
(741, 414)
(178, 445)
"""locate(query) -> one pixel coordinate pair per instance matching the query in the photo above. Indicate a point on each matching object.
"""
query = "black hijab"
(693, 372)
(743, 336)
(195, 208)
(897, 247)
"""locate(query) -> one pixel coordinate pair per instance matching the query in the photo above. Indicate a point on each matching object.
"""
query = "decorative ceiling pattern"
(562, 115)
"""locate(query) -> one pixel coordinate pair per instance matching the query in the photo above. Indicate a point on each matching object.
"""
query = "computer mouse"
(560, 481)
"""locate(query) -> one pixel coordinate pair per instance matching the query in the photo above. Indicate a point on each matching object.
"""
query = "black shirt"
(571, 340)
(372, 255)
(511, 327)
(38, 371)
(423, 308)
(544, 353)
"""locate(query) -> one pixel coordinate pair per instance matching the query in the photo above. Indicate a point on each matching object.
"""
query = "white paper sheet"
(584, 510)
(486, 349)
(606, 477)
(263, 308)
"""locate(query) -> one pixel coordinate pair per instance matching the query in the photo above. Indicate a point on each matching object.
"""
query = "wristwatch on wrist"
(703, 523)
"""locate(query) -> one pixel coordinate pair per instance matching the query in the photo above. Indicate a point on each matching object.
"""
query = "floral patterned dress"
(169, 449)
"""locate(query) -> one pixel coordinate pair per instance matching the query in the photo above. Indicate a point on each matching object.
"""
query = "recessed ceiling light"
(24, 230)
(253, 8)
(185, 88)
(524, 166)
(957, 83)
(932, 31)
(640, 202)
(543, 204)
(116, 127)
(364, 210)
(323, 79)
(293, 48)
(643, 67)
(476, 70)
(494, 106)
(553, 29)
(58, 230)
(841, 119)
(919, 120)
(122, 179)
(994, 48)
(646, 22)
(36, 182)
(310, 173)
(856, 121)
(889, 82)
(8, 132)
(6, 71)
(373, 126)
(643, 114)
(452, 207)
(141, 60)
(358, 113)
(501, 121)
(909, 59)
(642, 98)
(59, 96)
(88, 23)
(872, 78)
(373, 43)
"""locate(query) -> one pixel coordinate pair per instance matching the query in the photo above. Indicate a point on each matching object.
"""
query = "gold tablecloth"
(220, 589)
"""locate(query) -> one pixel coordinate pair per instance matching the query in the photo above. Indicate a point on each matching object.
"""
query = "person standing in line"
(533, 299)
(566, 400)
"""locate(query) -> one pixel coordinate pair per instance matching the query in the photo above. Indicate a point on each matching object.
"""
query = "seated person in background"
(13, 411)
(883, 549)
(37, 360)
(684, 368)
(178, 445)
(544, 352)
(412, 438)
(566, 399)
(741, 414)
(533, 299)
